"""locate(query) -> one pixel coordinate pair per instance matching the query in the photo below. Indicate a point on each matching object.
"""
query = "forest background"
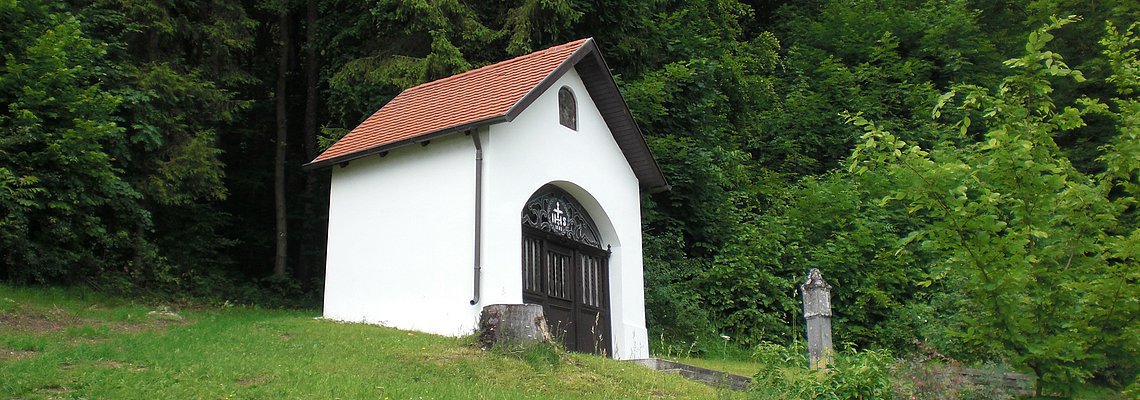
(964, 172)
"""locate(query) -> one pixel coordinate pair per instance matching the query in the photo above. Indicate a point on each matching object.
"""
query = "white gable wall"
(533, 150)
(401, 227)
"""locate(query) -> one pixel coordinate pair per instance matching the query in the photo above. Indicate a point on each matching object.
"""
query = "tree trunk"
(282, 135)
(512, 325)
(312, 80)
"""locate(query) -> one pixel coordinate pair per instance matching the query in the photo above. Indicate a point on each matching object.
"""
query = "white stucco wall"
(400, 227)
(401, 240)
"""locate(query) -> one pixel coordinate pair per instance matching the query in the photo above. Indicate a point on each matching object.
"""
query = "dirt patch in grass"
(113, 364)
(9, 354)
(86, 341)
(53, 390)
(450, 355)
(122, 365)
(150, 325)
(56, 320)
(47, 324)
(25, 318)
(37, 323)
(248, 381)
(275, 331)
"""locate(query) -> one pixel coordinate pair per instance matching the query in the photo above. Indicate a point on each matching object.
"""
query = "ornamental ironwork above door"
(555, 211)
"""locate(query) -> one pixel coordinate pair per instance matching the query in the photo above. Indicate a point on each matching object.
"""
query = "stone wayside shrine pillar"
(817, 312)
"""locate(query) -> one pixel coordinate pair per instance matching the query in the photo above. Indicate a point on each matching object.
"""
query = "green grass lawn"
(71, 344)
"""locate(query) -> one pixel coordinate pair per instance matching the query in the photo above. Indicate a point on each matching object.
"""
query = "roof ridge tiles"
(575, 44)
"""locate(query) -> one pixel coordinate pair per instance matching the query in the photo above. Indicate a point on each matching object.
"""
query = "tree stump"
(512, 325)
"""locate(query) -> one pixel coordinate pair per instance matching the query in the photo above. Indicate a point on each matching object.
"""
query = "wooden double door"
(571, 282)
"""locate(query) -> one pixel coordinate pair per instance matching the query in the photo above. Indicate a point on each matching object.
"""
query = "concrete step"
(704, 375)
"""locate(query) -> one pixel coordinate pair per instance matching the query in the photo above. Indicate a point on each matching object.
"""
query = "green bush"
(852, 374)
(931, 375)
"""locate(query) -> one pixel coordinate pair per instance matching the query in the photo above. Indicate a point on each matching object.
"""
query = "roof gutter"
(478, 214)
(406, 142)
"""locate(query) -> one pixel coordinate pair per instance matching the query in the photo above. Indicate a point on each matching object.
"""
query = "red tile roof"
(464, 99)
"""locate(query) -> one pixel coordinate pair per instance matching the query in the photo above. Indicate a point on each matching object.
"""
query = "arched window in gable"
(567, 108)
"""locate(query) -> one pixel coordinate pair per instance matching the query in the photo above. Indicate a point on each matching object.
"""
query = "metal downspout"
(478, 213)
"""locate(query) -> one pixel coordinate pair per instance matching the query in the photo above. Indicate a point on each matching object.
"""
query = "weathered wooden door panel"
(593, 317)
(570, 281)
(560, 299)
(565, 269)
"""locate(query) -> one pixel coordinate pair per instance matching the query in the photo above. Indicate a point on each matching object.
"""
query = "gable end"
(607, 98)
(604, 92)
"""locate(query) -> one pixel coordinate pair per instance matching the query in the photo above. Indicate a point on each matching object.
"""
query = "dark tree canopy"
(146, 147)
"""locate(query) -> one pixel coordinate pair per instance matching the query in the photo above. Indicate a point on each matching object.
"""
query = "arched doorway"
(566, 270)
